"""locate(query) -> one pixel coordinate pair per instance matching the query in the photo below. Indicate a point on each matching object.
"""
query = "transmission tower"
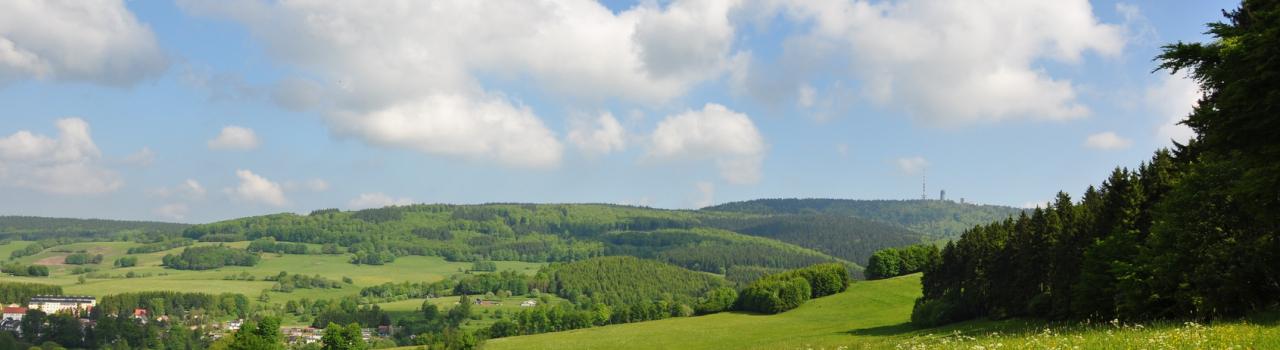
(924, 188)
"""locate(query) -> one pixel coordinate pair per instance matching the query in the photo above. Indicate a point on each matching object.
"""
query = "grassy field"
(874, 315)
(334, 267)
(487, 314)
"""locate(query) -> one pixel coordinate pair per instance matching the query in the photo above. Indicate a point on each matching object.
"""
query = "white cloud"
(144, 157)
(955, 62)
(1033, 205)
(92, 41)
(912, 165)
(706, 195)
(173, 211)
(189, 189)
(842, 149)
(68, 164)
(491, 130)
(806, 96)
(192, 188)
(407, 74)
(235, 138)
(254, 188)
(1107, 141)
(714, 132)
(376, 200)
(1173, 99)
(600, 136)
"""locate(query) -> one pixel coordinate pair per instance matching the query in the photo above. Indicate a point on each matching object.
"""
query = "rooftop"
(62, 298)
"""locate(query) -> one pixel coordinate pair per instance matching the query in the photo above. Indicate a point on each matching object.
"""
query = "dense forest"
(35, 228)
(941, 219)
(844, 237)
(622, 280)
(1192, 233)
(549, 233)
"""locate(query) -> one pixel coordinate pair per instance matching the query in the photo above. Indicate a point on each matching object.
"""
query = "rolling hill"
(520, 232)
(939, 219)
(34, 228)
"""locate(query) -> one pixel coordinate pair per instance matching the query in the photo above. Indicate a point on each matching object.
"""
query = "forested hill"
(35, 228)
(699, 240)
(937, 218)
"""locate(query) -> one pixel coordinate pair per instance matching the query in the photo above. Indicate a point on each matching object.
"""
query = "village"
(83, 307)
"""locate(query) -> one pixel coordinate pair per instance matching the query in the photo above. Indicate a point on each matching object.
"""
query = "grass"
(334, 267)
(874, 315)
(842, 319)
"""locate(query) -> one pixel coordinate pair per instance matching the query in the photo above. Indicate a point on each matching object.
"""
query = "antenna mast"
(924, 192)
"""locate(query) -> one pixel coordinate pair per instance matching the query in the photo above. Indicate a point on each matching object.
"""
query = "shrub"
(774, 295)
(716, 300)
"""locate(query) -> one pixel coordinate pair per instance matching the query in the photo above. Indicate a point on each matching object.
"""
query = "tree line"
(893, 262)
(209, 257)
(1191, 233)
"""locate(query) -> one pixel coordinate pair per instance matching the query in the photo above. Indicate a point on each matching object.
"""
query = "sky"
(204, 110)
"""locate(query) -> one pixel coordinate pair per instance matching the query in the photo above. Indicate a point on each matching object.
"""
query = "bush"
(772, 295)
(934, 312)
(82, 259)
(126, 261)
(824, 279)
(716, 300)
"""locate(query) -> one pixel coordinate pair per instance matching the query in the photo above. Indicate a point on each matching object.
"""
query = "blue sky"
(197, 111)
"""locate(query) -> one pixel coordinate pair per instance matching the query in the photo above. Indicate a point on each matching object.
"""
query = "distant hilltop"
(942, 219)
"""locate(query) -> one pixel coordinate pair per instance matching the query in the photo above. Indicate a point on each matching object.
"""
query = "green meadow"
(158, 278)
(875, 315)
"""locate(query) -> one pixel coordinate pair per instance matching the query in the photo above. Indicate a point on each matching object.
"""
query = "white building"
(13, 312)
(52, 304)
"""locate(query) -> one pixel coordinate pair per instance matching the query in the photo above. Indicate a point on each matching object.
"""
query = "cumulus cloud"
(954, 62)
(912, 165)
(376, 200)
(407, 75)
(92, 41)
(456, 125)
(68, 164)
(712, 133)
(235, 138)
(258, 189)
(1172, 99)
(1106, 141)
(602, 135)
